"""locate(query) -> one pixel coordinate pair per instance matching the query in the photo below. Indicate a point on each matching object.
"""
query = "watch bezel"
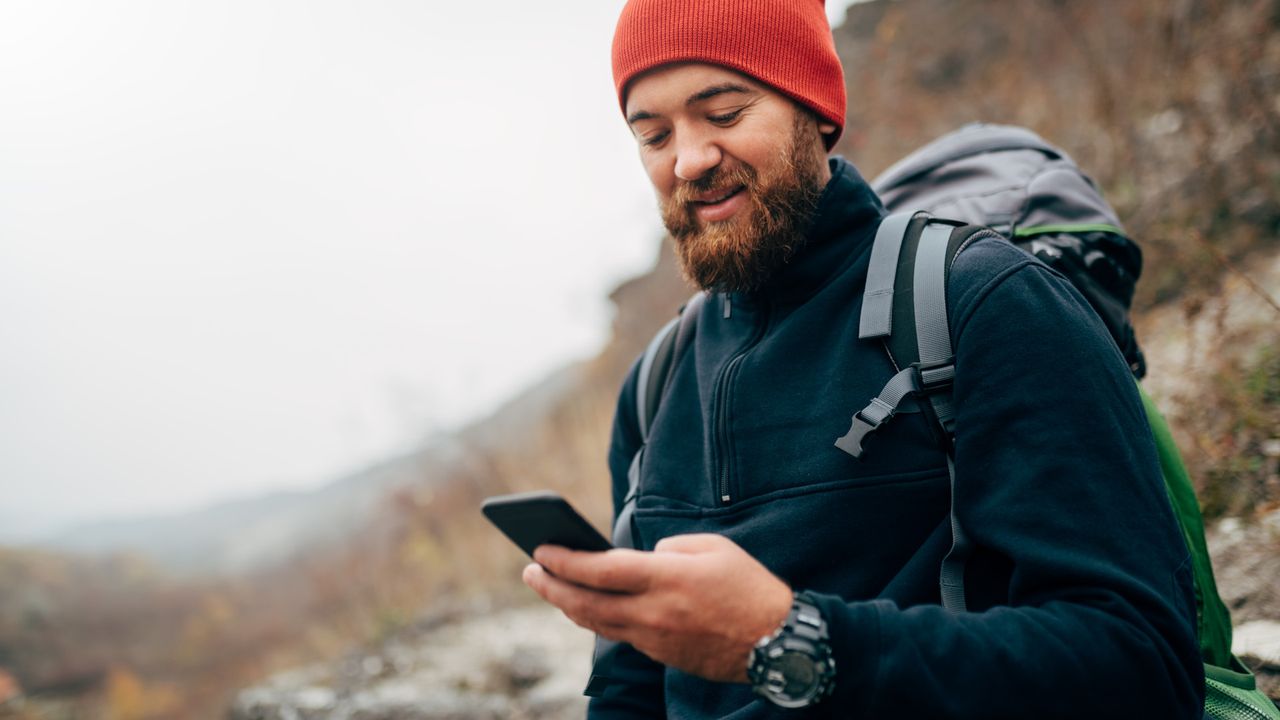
(769, 681)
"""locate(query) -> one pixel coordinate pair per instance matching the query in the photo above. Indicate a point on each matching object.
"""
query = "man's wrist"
(774, 607)
(777, 609)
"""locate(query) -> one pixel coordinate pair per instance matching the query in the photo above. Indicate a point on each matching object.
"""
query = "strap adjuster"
(875, 413)
(935, 376)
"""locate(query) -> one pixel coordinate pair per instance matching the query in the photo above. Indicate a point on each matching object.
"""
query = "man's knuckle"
(656, 620)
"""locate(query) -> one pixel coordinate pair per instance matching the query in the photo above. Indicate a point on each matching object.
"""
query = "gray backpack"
(1012, 181)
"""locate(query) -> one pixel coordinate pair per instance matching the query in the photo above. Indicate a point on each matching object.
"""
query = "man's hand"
(697, 602)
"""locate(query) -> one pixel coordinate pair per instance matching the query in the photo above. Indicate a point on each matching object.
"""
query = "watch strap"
(805, 619)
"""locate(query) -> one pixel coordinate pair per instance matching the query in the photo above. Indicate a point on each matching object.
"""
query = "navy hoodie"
(1078, 587)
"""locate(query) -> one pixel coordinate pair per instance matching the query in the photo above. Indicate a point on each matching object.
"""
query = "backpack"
(1004, 181)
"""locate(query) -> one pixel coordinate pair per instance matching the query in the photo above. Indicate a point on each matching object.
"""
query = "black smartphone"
(542, 518)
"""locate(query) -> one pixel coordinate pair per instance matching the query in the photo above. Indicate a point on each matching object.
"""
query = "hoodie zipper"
(724, 465)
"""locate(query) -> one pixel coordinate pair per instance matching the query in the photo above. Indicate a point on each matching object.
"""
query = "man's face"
(738, 169)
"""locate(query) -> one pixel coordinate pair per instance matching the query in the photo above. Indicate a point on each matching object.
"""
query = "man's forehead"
(679, 83)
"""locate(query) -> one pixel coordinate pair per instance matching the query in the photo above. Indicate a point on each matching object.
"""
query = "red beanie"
(783, 43)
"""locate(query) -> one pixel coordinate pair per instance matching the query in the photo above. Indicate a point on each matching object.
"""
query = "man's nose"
(695, 157)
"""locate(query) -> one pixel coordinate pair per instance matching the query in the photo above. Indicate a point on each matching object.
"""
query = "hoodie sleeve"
(637, 690)
(1059, 490)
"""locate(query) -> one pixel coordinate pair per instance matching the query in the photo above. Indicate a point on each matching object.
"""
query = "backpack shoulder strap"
(910, 264)
(650, 377)
(654, 375)
(906, 290)
(658, 360)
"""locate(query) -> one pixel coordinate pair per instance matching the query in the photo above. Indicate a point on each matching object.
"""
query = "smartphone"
(542, 518)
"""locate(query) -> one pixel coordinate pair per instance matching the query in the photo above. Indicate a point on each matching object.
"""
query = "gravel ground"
(518, 664)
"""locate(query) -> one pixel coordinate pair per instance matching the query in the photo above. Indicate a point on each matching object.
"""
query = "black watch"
(793, 667)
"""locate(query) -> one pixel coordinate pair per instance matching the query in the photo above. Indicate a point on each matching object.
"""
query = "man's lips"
(719, 204)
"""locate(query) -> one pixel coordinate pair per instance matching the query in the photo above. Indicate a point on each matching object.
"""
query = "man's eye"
(654, 139)
(726, 118)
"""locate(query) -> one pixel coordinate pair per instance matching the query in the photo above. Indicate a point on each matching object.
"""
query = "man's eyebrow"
(715, 90)
(704, 94)
(639, 115)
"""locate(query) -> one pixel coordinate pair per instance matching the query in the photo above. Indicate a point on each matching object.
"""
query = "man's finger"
(608, 614)
(618, 570)
(575, 601)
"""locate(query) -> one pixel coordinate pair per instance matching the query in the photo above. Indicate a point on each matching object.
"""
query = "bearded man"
(757, 542)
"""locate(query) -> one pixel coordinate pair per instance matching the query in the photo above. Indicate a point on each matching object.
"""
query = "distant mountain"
(249, 533)
(256, 532)
(22, 528)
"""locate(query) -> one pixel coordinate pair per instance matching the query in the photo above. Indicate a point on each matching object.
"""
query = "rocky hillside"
(513, 664)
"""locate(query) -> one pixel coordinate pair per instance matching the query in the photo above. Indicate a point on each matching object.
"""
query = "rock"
(1259, 640)
(1246, 563)
(524, 668)
(314, 699)
(519, 664)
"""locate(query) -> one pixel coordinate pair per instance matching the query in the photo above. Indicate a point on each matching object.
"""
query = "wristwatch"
(793, 667)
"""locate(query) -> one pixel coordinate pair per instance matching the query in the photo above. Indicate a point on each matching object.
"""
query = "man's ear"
(826, 128)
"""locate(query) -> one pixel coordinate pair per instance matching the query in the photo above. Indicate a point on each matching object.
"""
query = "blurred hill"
(266, 530)
(254, 532)
(1171, 106)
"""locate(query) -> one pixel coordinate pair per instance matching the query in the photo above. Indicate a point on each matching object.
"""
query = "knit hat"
(786, 44)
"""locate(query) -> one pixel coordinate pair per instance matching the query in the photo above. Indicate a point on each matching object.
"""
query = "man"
(751, 525)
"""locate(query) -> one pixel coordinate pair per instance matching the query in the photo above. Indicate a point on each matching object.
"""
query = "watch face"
(792, 676)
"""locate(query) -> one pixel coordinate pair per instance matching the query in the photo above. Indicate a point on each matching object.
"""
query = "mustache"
(718, 178)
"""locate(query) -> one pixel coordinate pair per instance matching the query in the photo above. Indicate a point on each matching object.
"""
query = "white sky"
(249, 245)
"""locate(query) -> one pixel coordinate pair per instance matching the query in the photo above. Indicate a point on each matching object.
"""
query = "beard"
(742, 253)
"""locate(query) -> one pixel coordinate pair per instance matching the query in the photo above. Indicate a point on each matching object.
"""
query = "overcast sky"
(250, 245)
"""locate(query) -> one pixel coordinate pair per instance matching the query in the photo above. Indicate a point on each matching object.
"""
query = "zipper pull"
(728, 307)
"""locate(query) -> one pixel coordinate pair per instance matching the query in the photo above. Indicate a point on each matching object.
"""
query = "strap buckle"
(875, 413)
(865, 421)
(918, 378)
